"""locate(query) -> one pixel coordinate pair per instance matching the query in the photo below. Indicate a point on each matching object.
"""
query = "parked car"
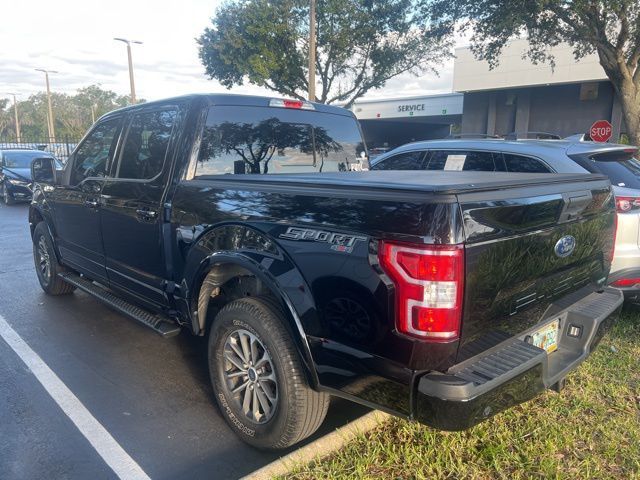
(436, 296)
(15, 173)
(618, 162)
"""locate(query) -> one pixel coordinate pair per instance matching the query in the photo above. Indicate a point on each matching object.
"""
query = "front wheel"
(46, 263)
(7, 198)
(258, 377)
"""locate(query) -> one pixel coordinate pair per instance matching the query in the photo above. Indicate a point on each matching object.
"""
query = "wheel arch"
(265, 270)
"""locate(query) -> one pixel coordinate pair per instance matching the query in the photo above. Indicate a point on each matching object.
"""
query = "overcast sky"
(76, 38)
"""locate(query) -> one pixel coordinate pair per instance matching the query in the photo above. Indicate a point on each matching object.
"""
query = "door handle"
(91, 203)
(144, 213)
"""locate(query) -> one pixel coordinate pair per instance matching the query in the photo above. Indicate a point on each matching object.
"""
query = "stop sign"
(600, 131)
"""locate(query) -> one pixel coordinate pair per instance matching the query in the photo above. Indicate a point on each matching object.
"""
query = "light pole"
(15, 114)
(50, 119)
(131, 82)
(312, 51)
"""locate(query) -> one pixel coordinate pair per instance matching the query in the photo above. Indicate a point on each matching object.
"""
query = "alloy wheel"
(44, 261)
(250, 376)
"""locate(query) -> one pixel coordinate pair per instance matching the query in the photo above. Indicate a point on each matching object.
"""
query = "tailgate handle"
(574, 204)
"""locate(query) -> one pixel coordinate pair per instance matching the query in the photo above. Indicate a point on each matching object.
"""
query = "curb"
(321, 447)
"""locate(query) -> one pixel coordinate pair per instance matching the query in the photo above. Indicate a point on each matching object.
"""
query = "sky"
(75, 38)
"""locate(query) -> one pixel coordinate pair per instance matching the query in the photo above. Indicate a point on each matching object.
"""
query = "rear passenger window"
(146, 144)
(402, 161)
(464, 161)
(519, 163)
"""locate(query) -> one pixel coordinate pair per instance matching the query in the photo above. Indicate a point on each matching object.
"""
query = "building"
(394, 122)
(515, 97)
(518, 96)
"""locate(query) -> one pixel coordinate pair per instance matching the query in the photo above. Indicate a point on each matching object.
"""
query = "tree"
(610, 28)
(72, 113)
(360, 45)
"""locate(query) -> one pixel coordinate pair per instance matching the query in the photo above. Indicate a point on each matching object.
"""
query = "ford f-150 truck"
(443, 297)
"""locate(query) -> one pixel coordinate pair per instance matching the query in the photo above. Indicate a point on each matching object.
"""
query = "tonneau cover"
(411, 180)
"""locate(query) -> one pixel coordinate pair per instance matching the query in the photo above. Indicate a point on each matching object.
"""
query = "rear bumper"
(514, 371)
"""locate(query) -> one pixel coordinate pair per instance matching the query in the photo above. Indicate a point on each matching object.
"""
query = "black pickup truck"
(443, 297)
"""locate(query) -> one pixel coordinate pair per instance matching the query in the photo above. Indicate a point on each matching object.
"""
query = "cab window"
(92, 155)
(261, 140)
(401, 161)
(146, 144)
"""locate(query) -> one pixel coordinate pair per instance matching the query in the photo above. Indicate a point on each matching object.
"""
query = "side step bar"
(158, 323)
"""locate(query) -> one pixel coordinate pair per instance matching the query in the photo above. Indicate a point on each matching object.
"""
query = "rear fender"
(240, 248)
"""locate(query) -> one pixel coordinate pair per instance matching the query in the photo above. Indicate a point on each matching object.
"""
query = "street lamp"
(131, 82)
(50, 119)
(15, 113)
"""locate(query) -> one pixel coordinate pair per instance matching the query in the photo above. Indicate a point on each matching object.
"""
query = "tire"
(7, 198)
(46, 263)
(294, 410)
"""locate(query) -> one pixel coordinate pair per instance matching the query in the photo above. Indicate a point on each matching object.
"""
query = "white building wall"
(428, 106)
(471, 75)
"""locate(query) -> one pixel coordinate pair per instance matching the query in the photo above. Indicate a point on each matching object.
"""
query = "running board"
(158, 323)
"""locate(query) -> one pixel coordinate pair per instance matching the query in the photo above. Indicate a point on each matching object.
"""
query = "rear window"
(241, 140)
(623, 174)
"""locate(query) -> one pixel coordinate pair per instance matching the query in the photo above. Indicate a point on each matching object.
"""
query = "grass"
(590, 430)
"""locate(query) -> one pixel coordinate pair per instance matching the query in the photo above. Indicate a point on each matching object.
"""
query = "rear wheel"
(258, 377)
(46, 263)
(7, 198)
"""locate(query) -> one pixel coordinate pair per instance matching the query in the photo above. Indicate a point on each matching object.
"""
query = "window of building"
(146, 144)
(243, 140)
(519, 163)
(401, 161)
(93, 154)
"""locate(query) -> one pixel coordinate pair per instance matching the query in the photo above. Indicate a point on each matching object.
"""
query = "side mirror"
(43, 170)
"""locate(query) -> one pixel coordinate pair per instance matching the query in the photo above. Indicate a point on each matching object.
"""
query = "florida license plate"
(547, 337)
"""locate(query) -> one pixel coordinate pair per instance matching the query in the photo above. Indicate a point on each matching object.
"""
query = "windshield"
(623, 174)
(21, 159)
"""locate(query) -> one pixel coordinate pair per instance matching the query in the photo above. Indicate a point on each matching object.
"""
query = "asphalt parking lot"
(152, 395)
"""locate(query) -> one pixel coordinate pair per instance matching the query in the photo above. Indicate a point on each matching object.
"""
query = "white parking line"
(111, 452)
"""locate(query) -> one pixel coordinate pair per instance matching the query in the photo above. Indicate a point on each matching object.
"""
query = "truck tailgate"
(528, 247)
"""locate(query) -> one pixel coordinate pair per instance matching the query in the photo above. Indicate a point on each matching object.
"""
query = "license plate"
(547, 337)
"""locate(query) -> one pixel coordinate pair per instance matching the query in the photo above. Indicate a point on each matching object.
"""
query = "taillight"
(615, 237)
(626, 282)
(429, 282)
(627, 204)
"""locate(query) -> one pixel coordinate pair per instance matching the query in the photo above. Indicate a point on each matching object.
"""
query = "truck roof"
(414, 180)
(231, 99)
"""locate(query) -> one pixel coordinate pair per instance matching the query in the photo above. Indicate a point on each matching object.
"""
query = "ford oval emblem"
(565, 246)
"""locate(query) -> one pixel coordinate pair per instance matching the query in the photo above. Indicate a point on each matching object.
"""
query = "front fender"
(253, 250)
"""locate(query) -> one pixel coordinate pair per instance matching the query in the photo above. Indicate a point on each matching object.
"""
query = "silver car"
(571, 155)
